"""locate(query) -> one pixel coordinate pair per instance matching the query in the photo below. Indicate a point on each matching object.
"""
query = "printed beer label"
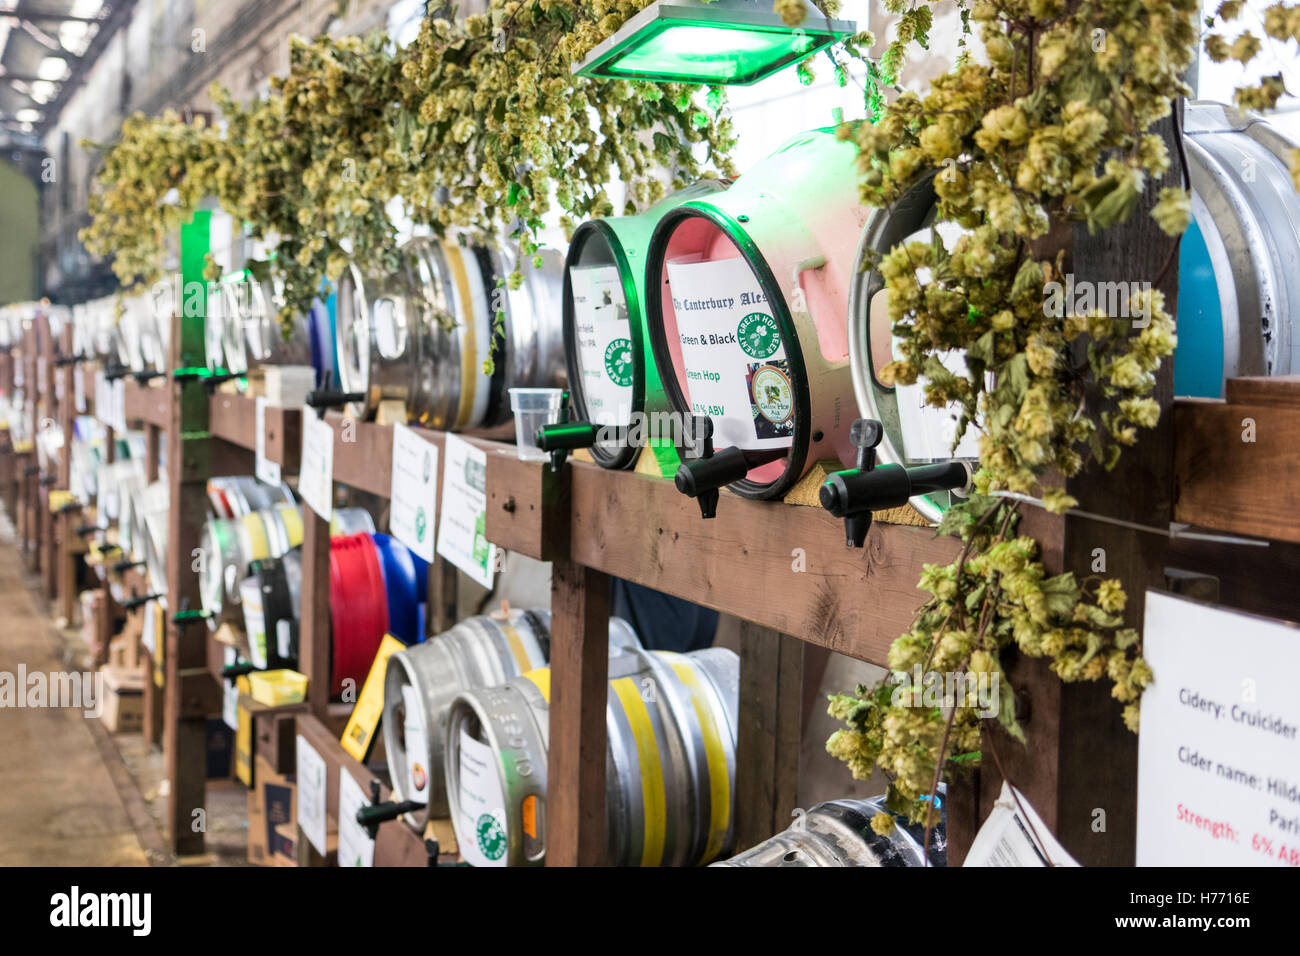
(603, 330)
(732, 353)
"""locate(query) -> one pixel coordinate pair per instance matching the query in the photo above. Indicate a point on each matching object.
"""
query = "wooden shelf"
(744, 562)
(396, 844)
(148, 404)
(232, 418)
(1226, 481)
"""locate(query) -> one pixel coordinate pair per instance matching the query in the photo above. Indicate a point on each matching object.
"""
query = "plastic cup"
(533, 408)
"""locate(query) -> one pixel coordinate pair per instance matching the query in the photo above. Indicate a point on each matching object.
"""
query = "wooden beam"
(1235, 463)
(314, 615)
(768, 734)
(642, 529)
(575, 781)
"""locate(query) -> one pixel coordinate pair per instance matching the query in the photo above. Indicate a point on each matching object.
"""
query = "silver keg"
(423, 336)
(423, 679)
(1239, 280)
(670, 773)
(838, 833)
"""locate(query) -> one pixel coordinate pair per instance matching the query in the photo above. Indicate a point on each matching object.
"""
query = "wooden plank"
(528, 505)
(575, 782)
(441, 608)
(396, 844)
(231, 418)
(768, 733)
(314, 615)
(853, 601)
(284, 437)
(190, 461)
(148, 404)
(1282, 391)
(1235, 464)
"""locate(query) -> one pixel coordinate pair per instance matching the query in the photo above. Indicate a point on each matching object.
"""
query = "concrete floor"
(74, 794)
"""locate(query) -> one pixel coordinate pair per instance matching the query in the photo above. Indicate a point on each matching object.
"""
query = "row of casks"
(749, 303)
(753, 304)
(466, 728)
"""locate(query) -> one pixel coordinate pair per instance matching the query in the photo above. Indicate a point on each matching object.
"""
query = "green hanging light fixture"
(716, 42)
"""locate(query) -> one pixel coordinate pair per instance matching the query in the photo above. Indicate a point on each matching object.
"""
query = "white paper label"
(736, 369)
(284, 638)
(149, 633)
(1010, 837)
(316, 471)
(355, 846)
(250, 596)
(230, 694)
(79, 390)
(311, 794)
(103, 399)
(928, 432)
(119, 405)
(604, 334)
(463, 515)
(414, 492)
(481, 831)
(1219, 750)
(417, 745)
(266, 471)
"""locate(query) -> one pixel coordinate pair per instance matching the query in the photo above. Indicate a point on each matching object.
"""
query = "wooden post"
(1079, 766)
(442, 604)
(190, 692)
(154, 697)
(49, 419)
(575, 785)
(768, 734)
(314, 615)
(67, 565)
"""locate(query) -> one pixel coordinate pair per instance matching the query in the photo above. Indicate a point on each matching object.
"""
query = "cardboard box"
(123, 700)
(272, 816)
(277, 687)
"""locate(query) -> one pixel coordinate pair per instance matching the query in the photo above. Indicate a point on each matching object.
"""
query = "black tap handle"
(332, 398)
(147, 376)
(86, 530)
(376, 813)
(432, 850)
(113, 372)
(70, 507)
(212, 381)
(232, 671)
(866, 434)
(67, 360)
(565, 436)
(47, 480)
(132, 603)
(127, 564)
(701, 478)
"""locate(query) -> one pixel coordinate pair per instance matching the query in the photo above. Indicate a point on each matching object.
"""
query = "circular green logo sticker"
(773, 394)
(421, 523)
(491, 837)
(758, 335)
(618, 361)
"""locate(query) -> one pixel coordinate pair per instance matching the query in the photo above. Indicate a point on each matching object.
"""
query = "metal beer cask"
(617, 246)
(671, 752)
(478, 652)
(1238, 284)
(838, 833)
